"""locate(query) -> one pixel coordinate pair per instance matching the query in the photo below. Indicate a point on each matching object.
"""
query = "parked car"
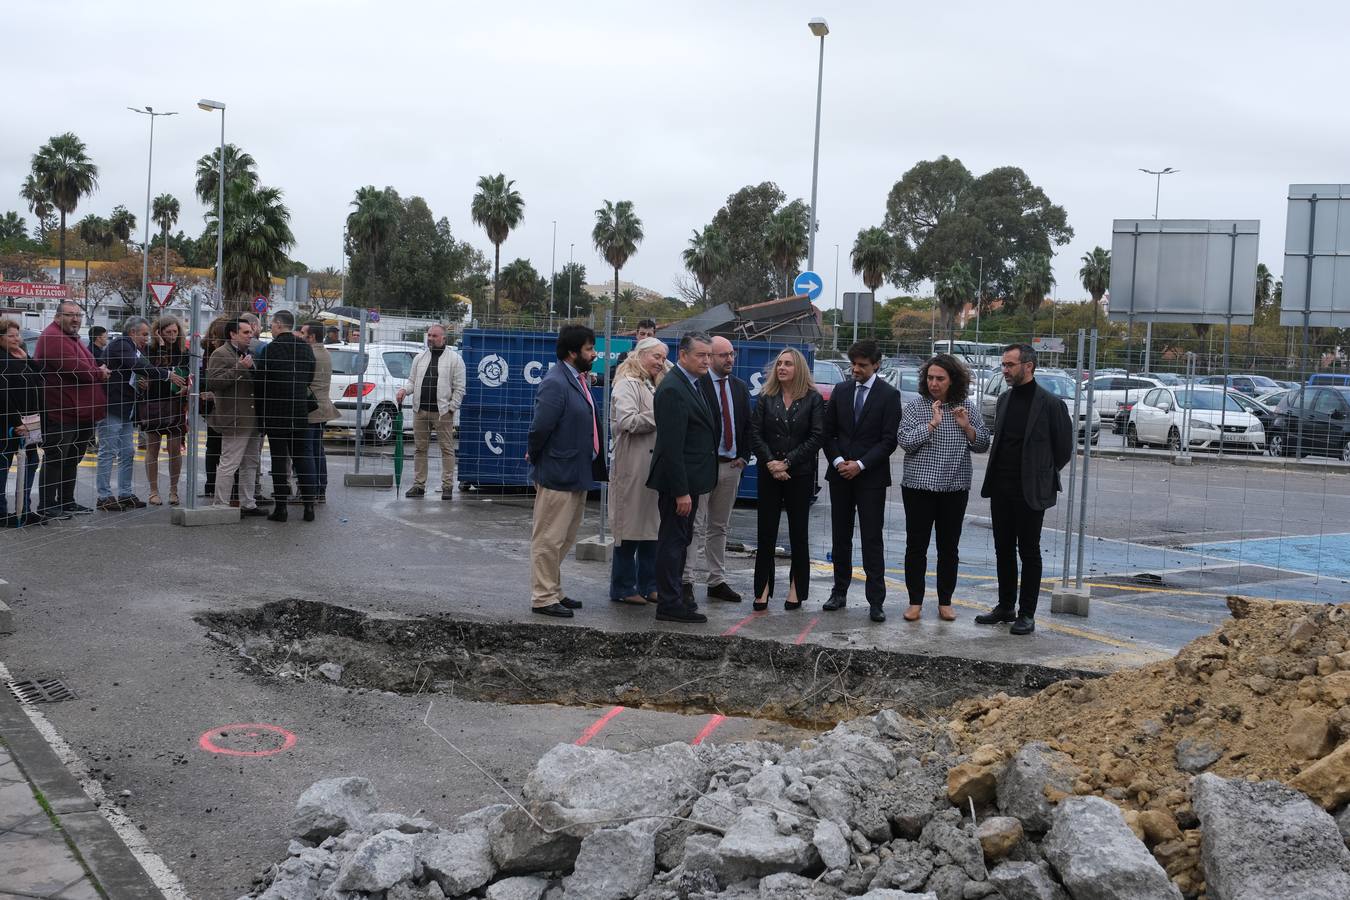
(1330, 379)
(827, 373)
(1112, 392)
(1057, 383)
(905, 380)
(387, 368)
(1264, 413)
(1171, 379)
(1288, 385)
(1251, 385)
(1271, 399)
(1195, 417)
(1312, 420)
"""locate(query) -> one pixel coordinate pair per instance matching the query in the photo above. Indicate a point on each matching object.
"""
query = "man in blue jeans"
(129, 374)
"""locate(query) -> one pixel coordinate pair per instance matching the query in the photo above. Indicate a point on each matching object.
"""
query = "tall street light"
(1157, 193)
(194, 326)
(145, 244)
(819, 28)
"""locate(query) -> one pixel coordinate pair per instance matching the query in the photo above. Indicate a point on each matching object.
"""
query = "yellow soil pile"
(1267, 696)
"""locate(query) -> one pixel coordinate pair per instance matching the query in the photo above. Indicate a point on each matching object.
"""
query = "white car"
(1114, 394)
(1173, 417)
(387, 368)
(906, 381)
(1057, 383)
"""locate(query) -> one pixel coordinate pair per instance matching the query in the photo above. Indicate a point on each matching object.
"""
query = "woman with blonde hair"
(632, 505)
(787, 429)
(162, 414)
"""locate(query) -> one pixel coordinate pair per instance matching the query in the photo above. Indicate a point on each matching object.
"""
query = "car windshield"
(1206, 400)
(1059, 385)
(827, 373)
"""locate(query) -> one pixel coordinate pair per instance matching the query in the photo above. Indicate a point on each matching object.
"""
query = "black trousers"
(1017, 536)
(212, 460)
(793, 495)
(869, 505)
(925, 510)
(63, 446)
(672, 547)
(291, 445)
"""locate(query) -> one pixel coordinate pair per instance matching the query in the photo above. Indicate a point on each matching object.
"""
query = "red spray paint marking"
(807, 630)
(251, 730)
(597, 725)
(743, 622)
(708, 729)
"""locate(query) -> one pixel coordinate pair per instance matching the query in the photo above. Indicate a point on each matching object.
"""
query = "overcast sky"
(676, 107)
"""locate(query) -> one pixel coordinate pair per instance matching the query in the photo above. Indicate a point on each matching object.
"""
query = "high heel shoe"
(759, 605)
(792, 604)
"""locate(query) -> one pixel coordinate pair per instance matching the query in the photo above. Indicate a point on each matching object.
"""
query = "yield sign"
(162, 290)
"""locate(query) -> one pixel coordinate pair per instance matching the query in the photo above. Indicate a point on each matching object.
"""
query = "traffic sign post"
(808, 285)
(162, 290)
(260, 305)
(373, 316)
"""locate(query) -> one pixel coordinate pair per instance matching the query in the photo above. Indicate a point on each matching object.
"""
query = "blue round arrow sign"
(808, 284)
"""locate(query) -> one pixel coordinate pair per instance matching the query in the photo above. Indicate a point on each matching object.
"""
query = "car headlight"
(1204, 426)
(1255, 427)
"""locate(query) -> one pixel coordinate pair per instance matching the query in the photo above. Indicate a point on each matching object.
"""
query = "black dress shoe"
(278, 514)
(309, 512)
(836, 601)
(557, 610)
(688, 616)
(723, 592)
(131, 502)
(246, 513)
(569, 603)
(999, 615)
(77, 509)
(877, 615)
(1023, 625)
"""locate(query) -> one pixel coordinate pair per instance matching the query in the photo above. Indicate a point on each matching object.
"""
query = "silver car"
(1057, 383)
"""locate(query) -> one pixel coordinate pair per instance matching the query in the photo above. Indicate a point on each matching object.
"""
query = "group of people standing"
(684, 433)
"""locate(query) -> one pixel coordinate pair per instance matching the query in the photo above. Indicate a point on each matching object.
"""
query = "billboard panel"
(860, 306)
(1317, 256)
(1184, 270)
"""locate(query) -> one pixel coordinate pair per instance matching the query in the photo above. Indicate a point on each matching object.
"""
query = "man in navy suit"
(862, 424)
(566, 457)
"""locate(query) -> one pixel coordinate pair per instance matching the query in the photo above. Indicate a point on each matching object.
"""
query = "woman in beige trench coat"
(632, 505)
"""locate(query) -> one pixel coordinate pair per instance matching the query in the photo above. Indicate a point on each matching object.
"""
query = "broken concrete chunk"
(1196, 756)
(331, 670)
(613, 864)
(890, 894)
(382, 861)
(1026, 881)
(480, 818)
(831, 844)
(786, 886)
(612, 785)
(397, 822)
(519, 887)
(519, 847)
(1266, 841)
(458, 861)
(1023, 782)
(998, 835)
(753, 848)
(831, 800)
(961, 845)
(907, 869)
(1343, 823)
(1327, 781)
(331, 806)
(1098, 857)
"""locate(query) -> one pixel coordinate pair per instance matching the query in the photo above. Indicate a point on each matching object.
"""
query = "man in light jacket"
(436, 384)
(319, 388)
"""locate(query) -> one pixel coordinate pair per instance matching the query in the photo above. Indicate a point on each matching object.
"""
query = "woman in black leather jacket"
(787, 428)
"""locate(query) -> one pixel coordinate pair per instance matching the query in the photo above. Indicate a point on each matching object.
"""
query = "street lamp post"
(194, 321)
(570, 275)
(552, 273)
(145, 245)
(819, 28)
(838, 313)
(1157, 194)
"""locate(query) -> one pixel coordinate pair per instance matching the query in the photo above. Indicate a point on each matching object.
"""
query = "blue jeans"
(633, 569)
(314, 448)
(29, 474)
(116, 444)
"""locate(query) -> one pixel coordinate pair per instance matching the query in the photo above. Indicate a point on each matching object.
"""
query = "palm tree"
(1032, 280)
(239, 166)
(953, 287)
(165, 213)
(1265, 292)
(372, 226)
(707, 257)
(520, 283)
(64, 174)
(873, 257)
(39, 204)
(785, 240)
(95, 232)
(616, 235)
(12, 227)
(498, 208)
(122, 222)
(257, 236)
(1096, 277)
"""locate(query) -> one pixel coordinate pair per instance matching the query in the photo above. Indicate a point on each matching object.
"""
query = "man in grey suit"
(1033, 440)
(566, 458)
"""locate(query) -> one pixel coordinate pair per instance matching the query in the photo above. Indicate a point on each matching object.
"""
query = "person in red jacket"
(73, 402)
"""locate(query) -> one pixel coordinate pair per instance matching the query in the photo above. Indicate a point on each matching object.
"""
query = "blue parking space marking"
(1316, 554)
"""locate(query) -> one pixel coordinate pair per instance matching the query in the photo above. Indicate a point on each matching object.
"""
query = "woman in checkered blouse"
(938, 432)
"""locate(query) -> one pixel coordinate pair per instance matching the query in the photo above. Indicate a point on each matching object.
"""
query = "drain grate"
(41, 690)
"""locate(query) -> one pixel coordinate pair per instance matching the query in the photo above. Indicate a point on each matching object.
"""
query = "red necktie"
(726, 418)
(595, 426)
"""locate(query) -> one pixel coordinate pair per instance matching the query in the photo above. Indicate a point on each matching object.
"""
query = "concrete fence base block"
(351, 479)
(6, 590)
(6, 619)
(204, 515)
(1070, 600)
(596, 548)
(1180, 460)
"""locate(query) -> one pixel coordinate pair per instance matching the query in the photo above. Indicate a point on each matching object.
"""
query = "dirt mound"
(1267, 696)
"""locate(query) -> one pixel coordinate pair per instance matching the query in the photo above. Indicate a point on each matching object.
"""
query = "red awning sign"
(28, 290)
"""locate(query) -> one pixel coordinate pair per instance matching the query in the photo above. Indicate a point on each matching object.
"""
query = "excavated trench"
(503, 662)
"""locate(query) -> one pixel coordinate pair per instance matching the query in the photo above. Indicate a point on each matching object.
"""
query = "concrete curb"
(1211, 458)
(6, 614)
(114, 866)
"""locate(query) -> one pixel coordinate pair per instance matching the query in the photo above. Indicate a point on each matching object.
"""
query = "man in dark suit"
(729, 399)
(281, 376)
(862, 424)
(684, 466)
(1033, 440)
(566, 457)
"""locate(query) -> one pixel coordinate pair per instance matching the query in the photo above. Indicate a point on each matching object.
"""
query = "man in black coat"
(684, 466)
(282, 373)
(1033, 440)
(862, 424)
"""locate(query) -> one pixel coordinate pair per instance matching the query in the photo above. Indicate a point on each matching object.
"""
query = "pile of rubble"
(994, 803)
